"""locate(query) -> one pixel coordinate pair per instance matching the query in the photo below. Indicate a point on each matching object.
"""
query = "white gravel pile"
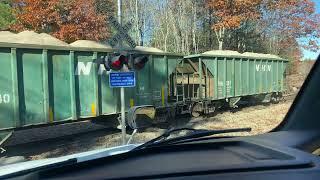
(6, 33)
(148, 49)
(89, 44)
(50, 40)
(259, 55)
(222, 53)
(8, 37)
(30, 37)
(236, 53)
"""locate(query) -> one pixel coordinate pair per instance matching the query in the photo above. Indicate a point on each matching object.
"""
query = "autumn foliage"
(230, 14)
(283, 20)
(294, 19)
(68, 20)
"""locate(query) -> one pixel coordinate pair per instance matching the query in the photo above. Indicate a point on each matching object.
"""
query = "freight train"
(41, 83)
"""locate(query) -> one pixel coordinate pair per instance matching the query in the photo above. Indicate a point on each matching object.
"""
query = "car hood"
(79, 157)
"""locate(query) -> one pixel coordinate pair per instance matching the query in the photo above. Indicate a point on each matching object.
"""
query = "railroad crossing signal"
(122, 33)
(117, 60)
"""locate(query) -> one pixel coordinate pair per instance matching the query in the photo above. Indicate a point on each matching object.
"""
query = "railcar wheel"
(196, 110)
(212, 110)
(275, 99)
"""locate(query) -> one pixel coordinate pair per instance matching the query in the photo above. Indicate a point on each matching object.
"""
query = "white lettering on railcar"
(228, 86)
(269, 68)
(4, 98)
(83, 68)
(220, 88)
(102, 70)
(263, 67)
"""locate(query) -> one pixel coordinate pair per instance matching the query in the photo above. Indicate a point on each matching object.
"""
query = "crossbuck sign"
(122, 33)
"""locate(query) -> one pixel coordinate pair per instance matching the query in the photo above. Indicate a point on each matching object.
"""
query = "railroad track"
(85, 139)
(57, 146)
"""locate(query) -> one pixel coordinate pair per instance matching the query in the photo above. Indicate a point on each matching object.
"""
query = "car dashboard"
(226, 158)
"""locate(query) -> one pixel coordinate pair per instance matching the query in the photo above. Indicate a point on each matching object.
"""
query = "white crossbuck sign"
(122, 33)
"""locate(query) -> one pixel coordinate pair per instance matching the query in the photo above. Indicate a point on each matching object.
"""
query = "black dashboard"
(227, 158)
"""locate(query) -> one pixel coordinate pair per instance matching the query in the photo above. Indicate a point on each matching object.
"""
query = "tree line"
(279, 27)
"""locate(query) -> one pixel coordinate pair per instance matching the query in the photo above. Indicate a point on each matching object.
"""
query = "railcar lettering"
(84, 68)
(263, 67)
(4, 98)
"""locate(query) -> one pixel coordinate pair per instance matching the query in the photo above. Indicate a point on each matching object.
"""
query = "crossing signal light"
(112, 62)
(139, 62)
(116, 62)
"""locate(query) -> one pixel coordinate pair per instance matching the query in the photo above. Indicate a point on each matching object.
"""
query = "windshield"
(82, 75)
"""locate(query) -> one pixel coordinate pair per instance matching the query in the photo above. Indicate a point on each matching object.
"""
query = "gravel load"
(148, 49)
(50, 40)
(89, 44)
(236, 53)
(6, 33)
(8, 37)
(30, 37)
(259, 55)
(222, 53)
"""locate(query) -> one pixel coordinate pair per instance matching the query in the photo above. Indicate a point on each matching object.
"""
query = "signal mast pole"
(123, 119)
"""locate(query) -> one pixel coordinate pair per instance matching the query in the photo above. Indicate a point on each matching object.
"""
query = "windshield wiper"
(197, 133)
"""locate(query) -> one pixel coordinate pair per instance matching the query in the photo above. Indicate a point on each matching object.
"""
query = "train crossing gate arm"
(4, 136)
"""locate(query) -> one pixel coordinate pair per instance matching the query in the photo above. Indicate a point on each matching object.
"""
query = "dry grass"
(260, 118)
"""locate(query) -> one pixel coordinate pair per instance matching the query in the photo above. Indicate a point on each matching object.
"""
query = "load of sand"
(236, 53)
(222, 53)
(8, 37)
(30, 37)
(90, 44)
(148, 49)
(261, 56)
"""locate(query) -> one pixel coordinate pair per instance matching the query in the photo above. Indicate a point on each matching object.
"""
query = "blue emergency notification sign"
(122, 79)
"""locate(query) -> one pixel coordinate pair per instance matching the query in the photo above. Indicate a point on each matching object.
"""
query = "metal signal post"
(123, 118)
(119, 62)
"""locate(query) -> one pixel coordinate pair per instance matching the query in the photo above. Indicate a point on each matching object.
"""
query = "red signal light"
(117, 62)
(140, 62)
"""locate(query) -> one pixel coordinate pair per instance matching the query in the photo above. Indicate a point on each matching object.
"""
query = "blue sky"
(308, 54)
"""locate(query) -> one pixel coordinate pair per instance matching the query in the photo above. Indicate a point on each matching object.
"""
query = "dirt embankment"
(294, 82)
(301, 70)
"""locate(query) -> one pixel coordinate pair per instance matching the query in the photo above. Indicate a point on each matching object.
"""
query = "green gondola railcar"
(45, 84)
(214, 78)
